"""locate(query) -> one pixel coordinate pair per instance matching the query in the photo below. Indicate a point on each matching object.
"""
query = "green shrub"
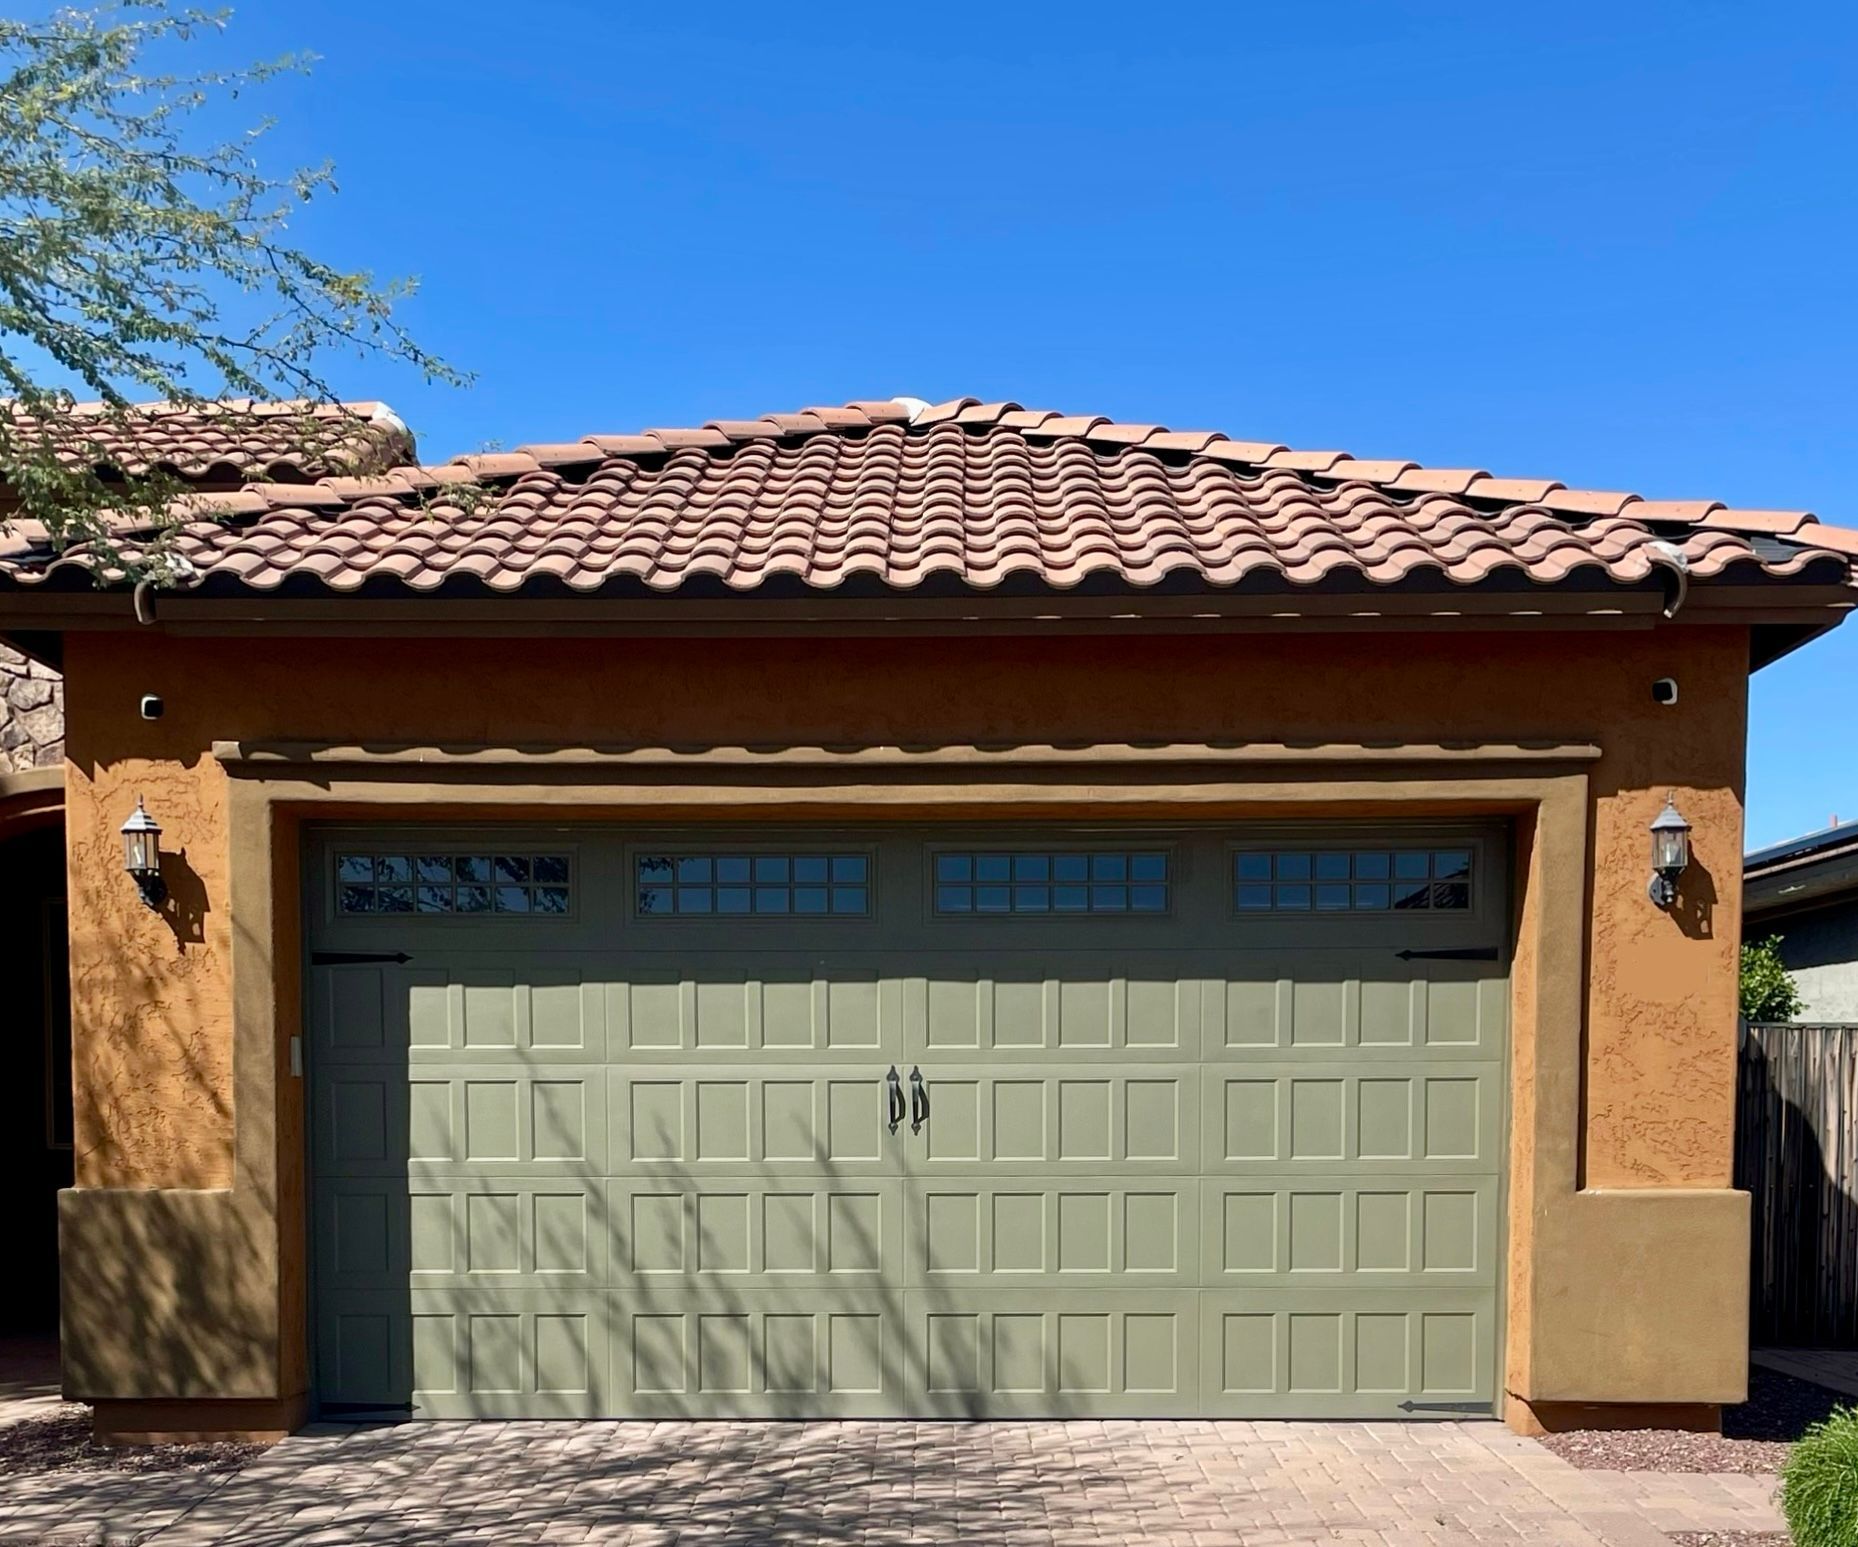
(1819, 1484)
(1768, 992)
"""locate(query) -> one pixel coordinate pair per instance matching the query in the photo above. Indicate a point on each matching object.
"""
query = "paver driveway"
(1151, 1484)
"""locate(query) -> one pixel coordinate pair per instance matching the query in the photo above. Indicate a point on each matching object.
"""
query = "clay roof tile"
(964, 492)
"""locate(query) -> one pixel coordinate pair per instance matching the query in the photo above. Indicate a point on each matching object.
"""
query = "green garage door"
(979, 1123)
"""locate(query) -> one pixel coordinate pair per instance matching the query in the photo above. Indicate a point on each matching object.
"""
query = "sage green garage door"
(1185, 1122)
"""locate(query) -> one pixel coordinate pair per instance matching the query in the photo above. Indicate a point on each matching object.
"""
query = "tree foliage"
(142, 259)
(1768, 991)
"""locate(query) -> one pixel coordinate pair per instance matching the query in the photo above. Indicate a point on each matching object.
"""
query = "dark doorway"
(35, 1096)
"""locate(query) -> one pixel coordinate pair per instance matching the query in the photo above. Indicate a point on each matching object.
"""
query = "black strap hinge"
(351, 958)
(1470, 953)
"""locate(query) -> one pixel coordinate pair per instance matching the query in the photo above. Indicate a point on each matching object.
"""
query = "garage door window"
(453, 883)
(1048, 881)
(696, 885)
(1351, 880)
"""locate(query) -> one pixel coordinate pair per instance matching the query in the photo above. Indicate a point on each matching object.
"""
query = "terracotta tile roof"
(901, 496)
(229, 441)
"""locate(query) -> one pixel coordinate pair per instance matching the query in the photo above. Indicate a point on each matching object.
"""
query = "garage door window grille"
(1352, 880)
(534, 884)
(1108, 881)
(699, 885)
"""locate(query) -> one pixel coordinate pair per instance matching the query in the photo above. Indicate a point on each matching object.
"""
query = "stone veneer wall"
(32, 714)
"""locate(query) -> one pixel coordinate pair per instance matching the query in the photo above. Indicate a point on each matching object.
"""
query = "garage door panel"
(433, 1011)
(1297, 1002)
(1273, 1117)
(1027, 1232)
(483, 1232)
(1388, 1232)
(442, 1354)
(1136, 1117)
(1055, 1003)
(730, 1118)
(759, 1354)
(787, 1234)
(464, 1119)
(624, 1161)
(702, 1007)
(1074, 1353)
(1344, 1353)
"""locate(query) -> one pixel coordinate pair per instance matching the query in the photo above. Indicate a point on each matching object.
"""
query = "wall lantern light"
(1670, 853)
(142, 855)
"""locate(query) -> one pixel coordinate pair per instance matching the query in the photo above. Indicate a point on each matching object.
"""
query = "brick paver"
(1148, 1484)
(1699, 1501)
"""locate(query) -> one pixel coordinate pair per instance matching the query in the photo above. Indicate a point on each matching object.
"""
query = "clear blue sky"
(1610, 244)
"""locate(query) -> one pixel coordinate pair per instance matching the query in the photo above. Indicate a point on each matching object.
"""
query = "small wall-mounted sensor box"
(151, 707)
(1664, 691)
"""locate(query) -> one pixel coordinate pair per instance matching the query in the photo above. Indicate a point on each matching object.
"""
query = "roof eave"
(1781, 615)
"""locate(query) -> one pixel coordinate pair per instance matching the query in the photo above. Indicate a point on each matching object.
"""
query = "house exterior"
(908, 909)
(1806, 891)
(213, 450)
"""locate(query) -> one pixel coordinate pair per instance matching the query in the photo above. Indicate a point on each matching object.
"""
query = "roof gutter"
(1673, 561)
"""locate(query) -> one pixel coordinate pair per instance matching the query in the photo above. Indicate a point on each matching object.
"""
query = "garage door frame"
(275, 788)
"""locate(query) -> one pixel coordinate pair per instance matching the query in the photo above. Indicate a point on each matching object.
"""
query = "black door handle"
(896, 1097)
(919, 1101)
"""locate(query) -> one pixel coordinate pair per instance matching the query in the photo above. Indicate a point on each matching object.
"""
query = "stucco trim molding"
(32, 782)
(269, 755)
(269, 802)
(30, 799)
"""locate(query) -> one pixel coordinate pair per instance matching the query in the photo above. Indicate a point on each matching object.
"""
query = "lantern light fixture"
(142, 855)
(1670, 853)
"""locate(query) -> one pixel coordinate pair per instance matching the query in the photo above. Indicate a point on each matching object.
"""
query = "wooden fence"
(1796, 1152)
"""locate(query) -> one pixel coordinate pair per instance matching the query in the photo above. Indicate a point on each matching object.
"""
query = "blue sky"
(1607, 244)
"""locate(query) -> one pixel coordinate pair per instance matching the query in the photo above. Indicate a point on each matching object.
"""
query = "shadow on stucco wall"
(1694, 911)
(167, 1274)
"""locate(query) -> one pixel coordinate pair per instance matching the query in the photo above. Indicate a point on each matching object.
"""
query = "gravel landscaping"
(61, 1442)
(1756, 1438)
(1732, 1539)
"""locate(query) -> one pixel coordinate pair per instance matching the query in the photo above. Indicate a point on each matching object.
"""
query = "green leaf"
(1767, 989)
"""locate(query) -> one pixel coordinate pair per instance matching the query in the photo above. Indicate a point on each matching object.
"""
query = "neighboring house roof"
(880, 498)
(1809, 870)
(227, 442)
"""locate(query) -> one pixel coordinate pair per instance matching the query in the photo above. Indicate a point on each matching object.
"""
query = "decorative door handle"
(919, 1101)
(896, 1097)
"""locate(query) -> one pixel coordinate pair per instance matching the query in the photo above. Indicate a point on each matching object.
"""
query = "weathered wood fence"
(1796, 1152)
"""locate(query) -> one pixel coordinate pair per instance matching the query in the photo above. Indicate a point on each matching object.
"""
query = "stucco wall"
(152, 996)
(1819, 946)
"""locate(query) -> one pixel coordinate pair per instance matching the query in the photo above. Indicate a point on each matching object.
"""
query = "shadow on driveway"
(722, 1484)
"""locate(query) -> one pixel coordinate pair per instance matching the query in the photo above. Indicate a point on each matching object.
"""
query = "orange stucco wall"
(152, 1003)
(153, 995)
